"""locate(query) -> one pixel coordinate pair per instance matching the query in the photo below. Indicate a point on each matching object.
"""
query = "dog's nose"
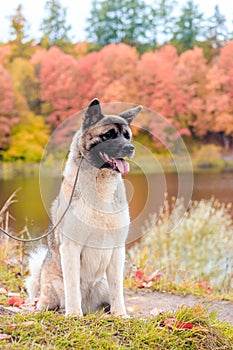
(128, 149)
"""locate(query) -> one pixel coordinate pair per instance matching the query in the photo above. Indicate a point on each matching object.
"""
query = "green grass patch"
(11, 276)
(50, 330)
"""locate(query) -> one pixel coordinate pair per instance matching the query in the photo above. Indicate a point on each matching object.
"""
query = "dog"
(81, 269)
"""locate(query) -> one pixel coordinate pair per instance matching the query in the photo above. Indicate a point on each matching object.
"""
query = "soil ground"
(151, 303)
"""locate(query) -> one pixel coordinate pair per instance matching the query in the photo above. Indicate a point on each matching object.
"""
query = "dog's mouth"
(118, 164)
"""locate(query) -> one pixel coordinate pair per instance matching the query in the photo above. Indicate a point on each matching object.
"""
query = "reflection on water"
(145, 194)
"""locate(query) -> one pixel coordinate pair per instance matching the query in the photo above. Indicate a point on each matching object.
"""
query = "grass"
(52, 330)
(9, 247)
(164, 284)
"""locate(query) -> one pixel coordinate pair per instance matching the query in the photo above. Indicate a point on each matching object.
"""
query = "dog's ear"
(130, 114)
(92, 114)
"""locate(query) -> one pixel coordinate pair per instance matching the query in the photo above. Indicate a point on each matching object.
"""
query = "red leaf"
(12, 326)
(139, 274)
(183, 325)
(16, 301)
(205, 285)
(4, 336)
(175, 324)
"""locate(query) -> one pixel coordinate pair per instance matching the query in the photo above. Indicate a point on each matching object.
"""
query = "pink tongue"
(122, 166)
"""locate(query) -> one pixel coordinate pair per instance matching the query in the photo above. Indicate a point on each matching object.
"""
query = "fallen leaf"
(12, 326)
(16, 301)
(132, 308)
(205, 285)
(175, 324)
(15, 325)
(183, 325)
(169, 321)
(139, 284)
(156, 312)
(139, 274)
(3, 290)
(154, 277)
(4, 336)
(199, 309)
(147, 284)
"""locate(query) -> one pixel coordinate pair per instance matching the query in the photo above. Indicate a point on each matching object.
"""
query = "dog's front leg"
(70, 262)
(115, 276)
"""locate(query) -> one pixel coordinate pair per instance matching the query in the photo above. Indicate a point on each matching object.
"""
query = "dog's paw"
(40, 306)
(73, 313)
(46, 306)
(124, 316)
(120, 314)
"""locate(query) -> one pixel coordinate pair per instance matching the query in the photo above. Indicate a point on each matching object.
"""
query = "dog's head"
(106, 139)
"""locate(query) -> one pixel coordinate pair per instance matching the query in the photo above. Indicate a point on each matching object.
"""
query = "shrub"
(208, 156)
(199, 246)
(28, 139)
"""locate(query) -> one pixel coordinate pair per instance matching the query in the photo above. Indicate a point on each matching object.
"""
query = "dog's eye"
(111, 134)
(126, 135)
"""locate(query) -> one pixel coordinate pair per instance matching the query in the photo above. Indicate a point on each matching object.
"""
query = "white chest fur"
(99, 214)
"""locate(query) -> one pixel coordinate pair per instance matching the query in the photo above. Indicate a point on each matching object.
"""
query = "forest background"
(177, 64)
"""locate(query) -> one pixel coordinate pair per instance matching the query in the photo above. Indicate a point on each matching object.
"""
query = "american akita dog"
(81, 270)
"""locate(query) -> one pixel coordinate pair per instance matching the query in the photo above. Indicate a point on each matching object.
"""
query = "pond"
(145, 196)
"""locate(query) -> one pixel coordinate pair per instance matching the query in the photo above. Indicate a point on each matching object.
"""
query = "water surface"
(145, 195)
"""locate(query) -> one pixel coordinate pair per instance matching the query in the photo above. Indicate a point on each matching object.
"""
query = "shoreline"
(20, 169)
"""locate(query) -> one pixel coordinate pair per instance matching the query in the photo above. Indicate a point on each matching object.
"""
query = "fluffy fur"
(81, 270)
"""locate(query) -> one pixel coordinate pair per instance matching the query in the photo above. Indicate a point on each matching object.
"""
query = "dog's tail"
(32, 283)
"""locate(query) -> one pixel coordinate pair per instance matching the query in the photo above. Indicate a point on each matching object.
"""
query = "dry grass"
(198, 248)
(9, 248)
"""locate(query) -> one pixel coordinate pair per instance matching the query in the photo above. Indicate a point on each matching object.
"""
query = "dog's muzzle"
(128, 150)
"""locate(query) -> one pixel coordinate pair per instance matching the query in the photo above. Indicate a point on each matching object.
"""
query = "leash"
(55, 226)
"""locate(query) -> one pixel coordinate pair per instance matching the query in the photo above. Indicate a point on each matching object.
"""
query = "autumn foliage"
(182, 88)
(195, 95)
(58, 83)
(7, 119)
